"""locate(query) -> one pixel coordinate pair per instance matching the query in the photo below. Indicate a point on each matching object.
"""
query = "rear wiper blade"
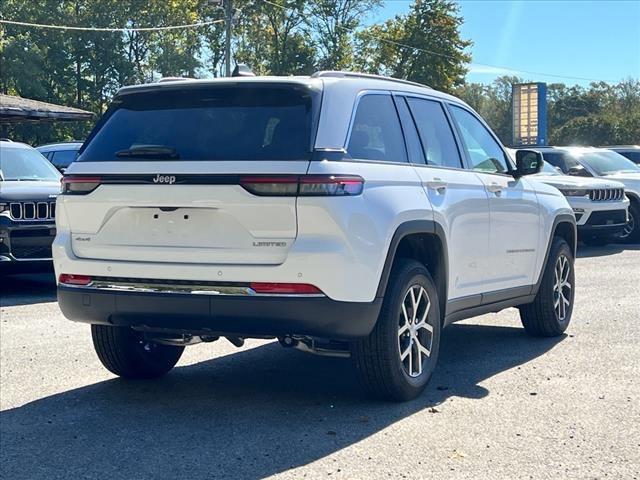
(149, 151)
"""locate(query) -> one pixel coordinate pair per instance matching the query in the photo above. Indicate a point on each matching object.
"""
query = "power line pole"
(228, 16)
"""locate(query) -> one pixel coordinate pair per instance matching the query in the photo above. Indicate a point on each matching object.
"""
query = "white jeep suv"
(607, 165)
(341, 213)
(600, 205)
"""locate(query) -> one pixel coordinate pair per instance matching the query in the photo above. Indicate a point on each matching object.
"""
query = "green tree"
(273, 39)
(493, 103)
(424, 46)
(332, 24)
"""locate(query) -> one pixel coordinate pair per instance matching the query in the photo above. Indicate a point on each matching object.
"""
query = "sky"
(568, 41)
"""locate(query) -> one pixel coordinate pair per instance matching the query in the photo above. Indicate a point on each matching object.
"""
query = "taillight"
(330, 185)
(285, 288)
(72, 279)
(303, 185)
(79, 185)
(278, 186)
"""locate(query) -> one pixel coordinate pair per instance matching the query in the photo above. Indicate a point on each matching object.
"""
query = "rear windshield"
(221, 123)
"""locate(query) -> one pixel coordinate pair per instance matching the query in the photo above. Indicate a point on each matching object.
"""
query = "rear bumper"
(212, 314)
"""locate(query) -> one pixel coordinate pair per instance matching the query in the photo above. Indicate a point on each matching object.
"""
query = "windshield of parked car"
(607, 163)
(250, 122)
(22, 164)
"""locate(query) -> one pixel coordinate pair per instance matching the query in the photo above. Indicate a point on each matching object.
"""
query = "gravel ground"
(501, 404)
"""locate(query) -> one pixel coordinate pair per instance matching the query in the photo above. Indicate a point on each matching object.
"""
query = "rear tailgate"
(164, 177)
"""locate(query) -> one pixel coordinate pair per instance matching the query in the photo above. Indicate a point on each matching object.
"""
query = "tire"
(631, 233)
(126, 353)
(378, 356)
(548, 315)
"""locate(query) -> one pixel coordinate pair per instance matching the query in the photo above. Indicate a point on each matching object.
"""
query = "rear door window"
(414, 147)
(435, 132)
(248, 122)
(376, 132)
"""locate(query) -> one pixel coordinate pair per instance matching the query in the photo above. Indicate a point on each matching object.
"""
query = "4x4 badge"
(168, 179)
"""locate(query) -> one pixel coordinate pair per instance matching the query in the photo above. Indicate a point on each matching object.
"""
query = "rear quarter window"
(376, 133)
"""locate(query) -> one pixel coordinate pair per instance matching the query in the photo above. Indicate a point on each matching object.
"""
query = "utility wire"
(109, 29)
(444, 55)
(211, 22)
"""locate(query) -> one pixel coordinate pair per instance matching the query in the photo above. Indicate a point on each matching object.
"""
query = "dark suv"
(60, 154)
(29, 185)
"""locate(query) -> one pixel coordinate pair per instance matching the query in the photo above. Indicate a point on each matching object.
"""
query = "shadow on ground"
(27, 289)
(244, 416)
(585, 251)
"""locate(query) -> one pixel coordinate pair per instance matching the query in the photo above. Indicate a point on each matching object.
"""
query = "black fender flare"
(411, 227)
(560, 219)
(633, 197)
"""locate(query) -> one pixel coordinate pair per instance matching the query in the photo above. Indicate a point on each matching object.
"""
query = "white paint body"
(494, 240)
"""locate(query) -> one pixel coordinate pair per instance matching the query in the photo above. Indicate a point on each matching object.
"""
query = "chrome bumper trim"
(13, 259)
(182, 289)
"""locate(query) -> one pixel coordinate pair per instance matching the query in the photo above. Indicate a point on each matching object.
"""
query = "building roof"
(21, 110)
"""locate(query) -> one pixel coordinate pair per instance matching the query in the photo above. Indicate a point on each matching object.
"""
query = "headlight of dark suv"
(4, 207)
(574, 192)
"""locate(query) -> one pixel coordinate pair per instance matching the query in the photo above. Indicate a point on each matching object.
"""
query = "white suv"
(341, 213)
(600, 205)
(607, 165)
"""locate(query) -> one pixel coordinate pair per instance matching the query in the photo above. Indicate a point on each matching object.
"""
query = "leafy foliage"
(423, 46)
(281, 37)
(601, 114)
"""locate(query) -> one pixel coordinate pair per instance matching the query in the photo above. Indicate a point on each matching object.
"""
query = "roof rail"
(173, 79)
(6, 140)
(341, 74)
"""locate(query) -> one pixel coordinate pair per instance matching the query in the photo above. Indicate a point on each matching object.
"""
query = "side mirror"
(528, 162)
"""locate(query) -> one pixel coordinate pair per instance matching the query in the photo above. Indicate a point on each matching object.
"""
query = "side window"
(63, 158)
(416, 154)
(484, 151)
(435, 132)
(376, 132)
(556, 160)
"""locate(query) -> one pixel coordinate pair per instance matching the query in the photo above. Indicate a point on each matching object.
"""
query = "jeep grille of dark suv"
(33, 210)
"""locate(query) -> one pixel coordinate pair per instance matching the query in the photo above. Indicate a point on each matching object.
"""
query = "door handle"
(437, 184)
(495, 188)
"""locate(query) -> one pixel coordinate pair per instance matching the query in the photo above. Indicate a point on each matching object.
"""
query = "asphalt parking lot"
(501, 404)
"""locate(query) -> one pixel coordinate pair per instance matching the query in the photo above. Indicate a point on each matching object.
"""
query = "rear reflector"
(79, 185)
(304, 185)
(71, 279)
(285, 288)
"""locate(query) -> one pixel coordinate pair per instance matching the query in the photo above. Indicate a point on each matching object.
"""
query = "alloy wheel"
(415, 334)
(562, 287)
(629, 227)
